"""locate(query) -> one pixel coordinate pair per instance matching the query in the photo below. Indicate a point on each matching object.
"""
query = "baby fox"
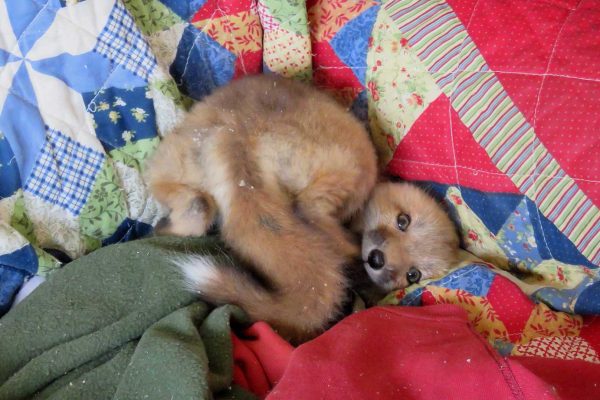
(406, 235)
(280, 166)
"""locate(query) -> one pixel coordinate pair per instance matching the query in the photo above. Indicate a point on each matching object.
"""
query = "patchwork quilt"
(491, 104)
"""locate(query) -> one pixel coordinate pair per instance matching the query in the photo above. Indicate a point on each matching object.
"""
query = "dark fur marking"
(377, 236)
(253, 273)
(243, 165)
(59, 255)
(297, 211)
(198, 205)
(386, 176)
(269, 222)
(163, 223)
(258, 277)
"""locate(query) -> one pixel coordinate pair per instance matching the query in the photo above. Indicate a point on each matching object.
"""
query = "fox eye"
(413, 275)
(403, 221)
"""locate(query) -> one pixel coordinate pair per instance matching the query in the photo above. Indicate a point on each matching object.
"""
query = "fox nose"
(376, 259)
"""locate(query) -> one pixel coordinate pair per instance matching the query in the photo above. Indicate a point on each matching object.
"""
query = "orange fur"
(282, 164)
(430, 243)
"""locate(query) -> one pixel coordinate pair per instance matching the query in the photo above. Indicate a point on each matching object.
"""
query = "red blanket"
(403, 352)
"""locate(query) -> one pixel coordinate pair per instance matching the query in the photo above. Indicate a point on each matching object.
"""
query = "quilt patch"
(65, 172)
(121, 42)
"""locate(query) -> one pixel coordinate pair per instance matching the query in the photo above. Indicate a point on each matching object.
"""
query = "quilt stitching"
(535, 143)
(489, 172)
(467, 71)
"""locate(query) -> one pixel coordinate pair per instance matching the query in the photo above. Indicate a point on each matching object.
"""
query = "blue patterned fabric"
(351, 42)
(122, 116)
(526, 244)
(128, 230)
(64, 172)
(360, 107)
(201, 64)
(8, 169)
(184, 9)
(121, 42)
(15, 267)
(588, 300)
(475, 279)
(517, 238)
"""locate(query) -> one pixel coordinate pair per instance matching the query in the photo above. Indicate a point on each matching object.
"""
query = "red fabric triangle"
(426, 153)
(330, 72)
(248, 63)
(590, 331)
(513, 306)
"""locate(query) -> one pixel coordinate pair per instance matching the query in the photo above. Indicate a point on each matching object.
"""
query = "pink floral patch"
(400, 294)
(391, 142)
(473, 235)
(418, 99)
(373, 90)
(456, 199)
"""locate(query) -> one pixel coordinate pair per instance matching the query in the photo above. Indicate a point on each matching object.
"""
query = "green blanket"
(124, 329)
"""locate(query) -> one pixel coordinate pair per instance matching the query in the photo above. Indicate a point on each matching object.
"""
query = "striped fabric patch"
(445, 48)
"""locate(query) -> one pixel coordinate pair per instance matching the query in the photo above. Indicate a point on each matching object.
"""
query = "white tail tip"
(200, 272)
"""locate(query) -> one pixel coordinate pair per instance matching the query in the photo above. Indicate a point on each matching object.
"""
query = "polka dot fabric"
(576, 50)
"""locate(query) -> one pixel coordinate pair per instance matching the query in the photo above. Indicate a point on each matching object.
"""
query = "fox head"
(407, 236)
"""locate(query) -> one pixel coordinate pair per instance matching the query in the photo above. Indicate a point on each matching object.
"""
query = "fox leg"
(326, 203)
(192, 212)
